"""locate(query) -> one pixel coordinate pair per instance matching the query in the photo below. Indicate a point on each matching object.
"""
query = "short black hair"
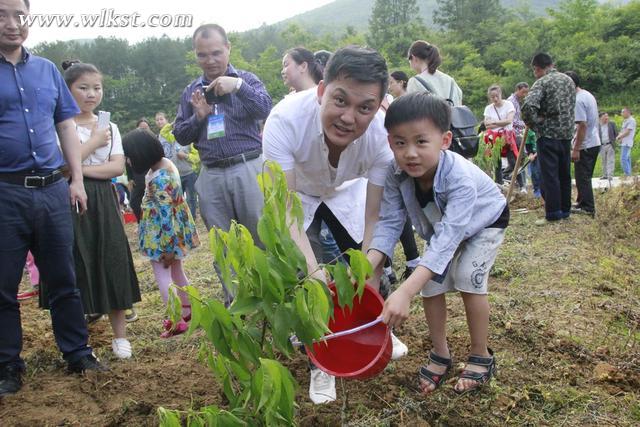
(143, 149)
(401, 76)
(205, 31)
(542, 60)
(143, 120)
(360, 64)
(574, 76)
(418, 106)
(522, 85)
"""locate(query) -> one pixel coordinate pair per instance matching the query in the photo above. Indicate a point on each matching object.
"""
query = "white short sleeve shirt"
(294, 138)
(500, 113)
(101, 155)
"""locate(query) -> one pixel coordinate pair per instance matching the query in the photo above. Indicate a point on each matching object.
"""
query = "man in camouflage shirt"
(549, 109)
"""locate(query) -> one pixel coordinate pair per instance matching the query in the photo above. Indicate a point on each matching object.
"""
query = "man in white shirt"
(585, 148)
(626, 135)
(327, 139)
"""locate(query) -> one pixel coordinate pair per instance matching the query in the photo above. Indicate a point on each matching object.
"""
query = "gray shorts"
(469, 269)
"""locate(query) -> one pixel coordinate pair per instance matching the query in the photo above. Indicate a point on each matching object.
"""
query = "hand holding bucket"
(360, 345)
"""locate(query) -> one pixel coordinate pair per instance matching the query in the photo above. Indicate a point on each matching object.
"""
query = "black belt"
(31, 181)
(230, 161)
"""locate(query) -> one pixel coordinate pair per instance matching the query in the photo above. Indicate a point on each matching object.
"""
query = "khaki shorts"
(469, 269)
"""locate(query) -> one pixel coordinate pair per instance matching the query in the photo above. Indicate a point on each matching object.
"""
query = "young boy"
(462, 216)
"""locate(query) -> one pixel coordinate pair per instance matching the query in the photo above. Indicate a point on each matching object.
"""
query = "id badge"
(215, 126)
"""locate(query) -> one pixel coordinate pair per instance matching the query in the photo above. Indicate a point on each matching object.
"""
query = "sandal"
(432, 377)
(481, 378)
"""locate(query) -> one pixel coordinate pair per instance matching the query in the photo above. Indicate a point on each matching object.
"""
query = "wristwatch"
(238, 84)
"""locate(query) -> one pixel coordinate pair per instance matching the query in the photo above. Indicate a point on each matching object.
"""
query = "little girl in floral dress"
(166, 230)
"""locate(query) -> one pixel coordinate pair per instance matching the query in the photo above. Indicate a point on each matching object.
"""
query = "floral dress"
(166, 224)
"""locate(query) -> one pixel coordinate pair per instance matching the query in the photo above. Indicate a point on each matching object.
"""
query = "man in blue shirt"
(220, 113)
(35, 213)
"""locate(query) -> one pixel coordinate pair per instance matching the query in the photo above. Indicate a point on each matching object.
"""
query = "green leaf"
(174, 305)
(227, 419)
(244, 305)
(361, 269)
(220, 313)
(168, 418)
(281, 329)
(344, 287)
(248, 348)
(272, 377)
(320, 308)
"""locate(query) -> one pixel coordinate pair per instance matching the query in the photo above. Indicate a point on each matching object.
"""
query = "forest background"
(482, 42)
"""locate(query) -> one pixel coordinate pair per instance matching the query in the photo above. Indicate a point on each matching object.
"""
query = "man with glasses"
(220, 113)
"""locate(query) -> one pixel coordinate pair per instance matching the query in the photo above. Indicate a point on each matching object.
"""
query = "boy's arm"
(396, 307)
(388, 228)
(371, 213)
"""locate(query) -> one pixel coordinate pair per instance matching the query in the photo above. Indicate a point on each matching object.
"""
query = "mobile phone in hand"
(104, 117)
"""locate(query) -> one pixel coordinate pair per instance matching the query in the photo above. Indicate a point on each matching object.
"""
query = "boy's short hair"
(418, 106)
(360, 64)
(143, 149)
(574, 76)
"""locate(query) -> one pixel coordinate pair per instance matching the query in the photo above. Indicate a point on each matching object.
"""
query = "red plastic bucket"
(362, 354)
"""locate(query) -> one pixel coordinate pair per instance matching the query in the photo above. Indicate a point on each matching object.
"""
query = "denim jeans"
(39, 220)
(625, 159)
(188, 183)
(534, 171)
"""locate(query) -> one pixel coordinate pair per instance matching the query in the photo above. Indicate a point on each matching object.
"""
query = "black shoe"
(392, 277)
(10, 380)
(86, 363)
(385, 286)
(407, 273)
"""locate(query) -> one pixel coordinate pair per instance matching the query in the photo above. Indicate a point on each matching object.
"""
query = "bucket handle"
(296, 343)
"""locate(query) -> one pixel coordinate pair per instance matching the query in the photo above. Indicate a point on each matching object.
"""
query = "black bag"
(465, 139)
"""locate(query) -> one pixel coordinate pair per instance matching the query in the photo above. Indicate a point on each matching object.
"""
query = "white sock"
(413, 263)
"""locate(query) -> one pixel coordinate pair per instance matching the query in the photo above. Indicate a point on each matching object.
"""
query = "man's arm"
(581, 131)
(300, 237)
(70, 144)
(254, 96)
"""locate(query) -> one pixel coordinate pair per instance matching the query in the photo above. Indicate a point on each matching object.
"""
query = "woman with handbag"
(498, 119)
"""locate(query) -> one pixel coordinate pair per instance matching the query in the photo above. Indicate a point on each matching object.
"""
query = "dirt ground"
(565, 327)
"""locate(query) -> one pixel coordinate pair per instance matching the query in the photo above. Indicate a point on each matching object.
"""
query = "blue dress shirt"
(33, 99)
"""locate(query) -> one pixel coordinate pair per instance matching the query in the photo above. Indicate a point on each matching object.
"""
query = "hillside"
(356, 13)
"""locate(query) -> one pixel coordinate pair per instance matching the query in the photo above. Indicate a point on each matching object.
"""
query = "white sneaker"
(399, 348)
(121, 348)
(322, 388)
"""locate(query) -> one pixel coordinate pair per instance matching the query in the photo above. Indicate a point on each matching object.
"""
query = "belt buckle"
(41, 181)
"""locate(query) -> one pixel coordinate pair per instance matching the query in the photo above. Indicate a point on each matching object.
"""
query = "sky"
(235, 15)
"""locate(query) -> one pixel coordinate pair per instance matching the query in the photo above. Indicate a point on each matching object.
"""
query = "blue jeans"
(534, 170)
(625, 159)
(39, 219)
(188, 183)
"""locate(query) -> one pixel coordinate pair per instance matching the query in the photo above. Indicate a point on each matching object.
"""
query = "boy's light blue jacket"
(468, 199)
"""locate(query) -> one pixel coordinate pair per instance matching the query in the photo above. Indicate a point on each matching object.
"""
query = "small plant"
(275, 298)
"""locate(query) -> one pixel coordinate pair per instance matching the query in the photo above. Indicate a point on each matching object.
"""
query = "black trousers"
(584, 172)
(554, 157)
(340, 234)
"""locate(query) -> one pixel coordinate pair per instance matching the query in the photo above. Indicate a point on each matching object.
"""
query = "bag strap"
(496, 110)
(426, 85)
(111, 146)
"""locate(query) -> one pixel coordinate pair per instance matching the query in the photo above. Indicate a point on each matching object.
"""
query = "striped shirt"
(518, 124)
(242, 112)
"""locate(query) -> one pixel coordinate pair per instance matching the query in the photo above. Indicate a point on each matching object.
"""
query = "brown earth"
(564, 325)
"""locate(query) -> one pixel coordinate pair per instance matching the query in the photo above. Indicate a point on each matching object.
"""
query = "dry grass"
(565, 327)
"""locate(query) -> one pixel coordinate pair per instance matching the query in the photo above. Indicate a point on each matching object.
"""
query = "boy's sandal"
(432, 377)
(481, 378)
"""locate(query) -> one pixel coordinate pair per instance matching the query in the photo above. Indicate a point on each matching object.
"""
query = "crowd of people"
(370, 170)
